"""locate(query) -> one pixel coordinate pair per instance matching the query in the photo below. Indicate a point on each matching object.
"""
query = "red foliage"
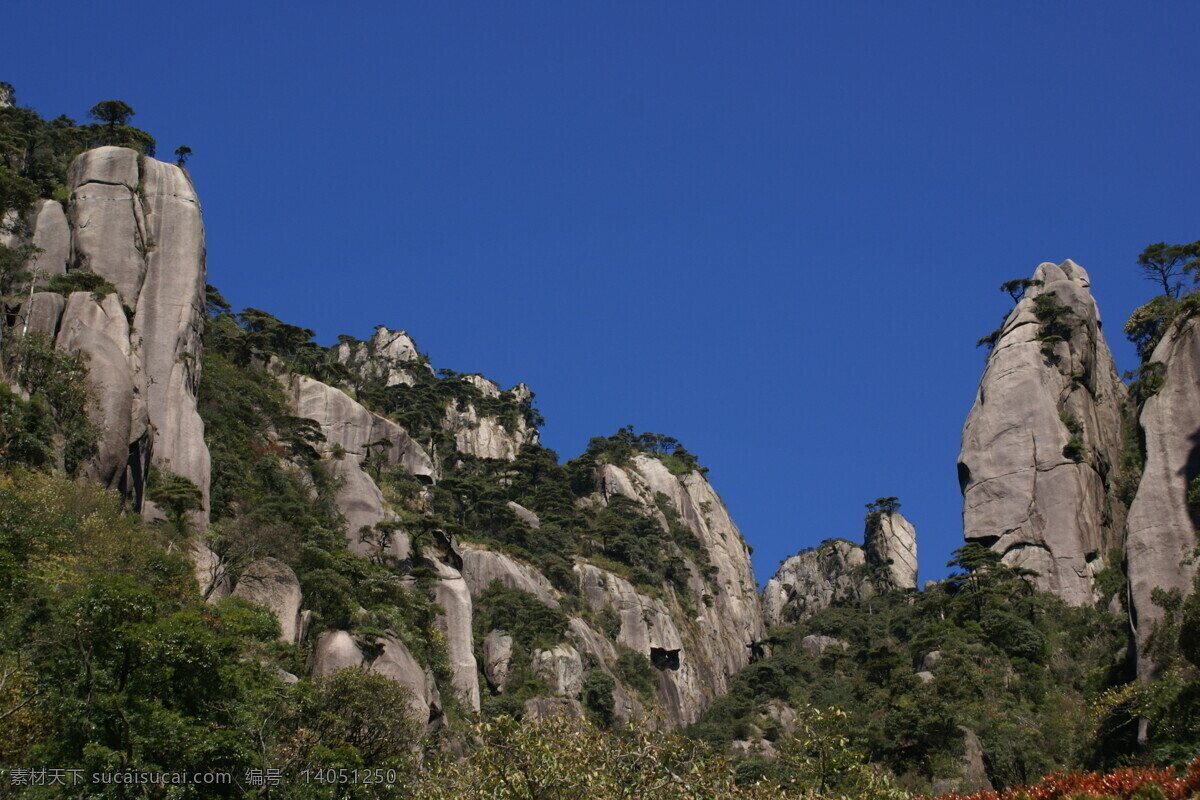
(1119, 783)
(274, 448)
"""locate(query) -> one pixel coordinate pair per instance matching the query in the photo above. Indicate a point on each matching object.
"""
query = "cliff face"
(702, 651)
(1161, 527)
(692, 634)
(1044, 438)
(135, 222)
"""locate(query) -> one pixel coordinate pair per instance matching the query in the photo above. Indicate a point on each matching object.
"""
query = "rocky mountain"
(408, 521)
(402, 452)
(1043, 441)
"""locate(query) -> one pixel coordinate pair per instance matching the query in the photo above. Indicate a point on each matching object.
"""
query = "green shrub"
(531, 623)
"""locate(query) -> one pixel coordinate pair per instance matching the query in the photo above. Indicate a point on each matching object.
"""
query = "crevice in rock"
(664, 659)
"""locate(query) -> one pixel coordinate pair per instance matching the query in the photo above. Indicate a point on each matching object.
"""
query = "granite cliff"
(1043, 441)
(134, 223)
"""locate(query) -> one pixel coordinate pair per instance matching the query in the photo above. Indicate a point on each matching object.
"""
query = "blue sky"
(771, 230)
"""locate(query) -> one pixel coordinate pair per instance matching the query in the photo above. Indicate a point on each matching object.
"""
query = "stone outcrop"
(108, 221)
(524, 514)
(497, 658)
(348, 427)
(833, 572)
(1161, 528)
(99, 331)
(42, 313)
(539, 707)
(890, 544)
(481, 567)
(1044, 438)
(816, 646)
(45, 227)
(169, 317)
(488, 436)
(694, 655)
(272, 584)
(389, 356)
(972, 771)
(450, 592)
(560, 668)
(338, 650)
(135, 222)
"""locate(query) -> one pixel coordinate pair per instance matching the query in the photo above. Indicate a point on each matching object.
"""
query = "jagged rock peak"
(1044, 438)
(815, 579)
(388, 354)
(890, 544)
(1161, 528)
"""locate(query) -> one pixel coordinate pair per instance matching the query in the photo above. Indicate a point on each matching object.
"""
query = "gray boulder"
(497, 658)
(481, 567)
(116, 412)
(42, 313)
(349, 426)
(451, 594)
(540, 707)
(107, 219)
(1041, 440)
(560, 668)
(527, 516)
(816, 646)
(335, 650)
(50, 233)
(338, 650)
(170, 315)
(271, 583)
(390, 355)
(396, 662)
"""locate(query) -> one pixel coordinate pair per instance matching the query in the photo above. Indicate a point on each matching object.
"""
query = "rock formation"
(1161, 537)
(1044, 438)
(837, 570)
(389, 356)
(890, 544)
(815, 579)
(136, 223)
(339, 650)
(272, 584)
(487, 435)
(348, 427)
(497, 658)
(695, 656)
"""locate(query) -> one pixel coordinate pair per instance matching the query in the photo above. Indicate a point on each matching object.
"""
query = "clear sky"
(773, 230)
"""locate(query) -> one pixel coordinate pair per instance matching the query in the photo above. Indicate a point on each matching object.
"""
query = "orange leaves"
(1122, 783)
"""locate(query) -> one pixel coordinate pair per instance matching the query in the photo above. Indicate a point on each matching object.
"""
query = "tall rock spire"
(1161, 540)
(1044, 438)
(890, 544)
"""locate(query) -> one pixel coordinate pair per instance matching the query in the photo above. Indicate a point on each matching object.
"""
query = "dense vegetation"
(35, 153)
(1043, 685)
